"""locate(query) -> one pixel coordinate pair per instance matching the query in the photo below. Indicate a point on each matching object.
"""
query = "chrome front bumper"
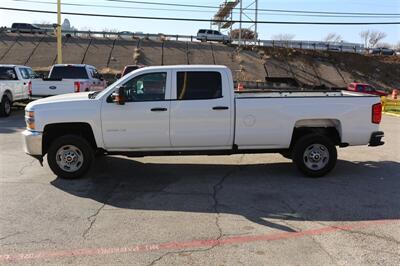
(32, 142)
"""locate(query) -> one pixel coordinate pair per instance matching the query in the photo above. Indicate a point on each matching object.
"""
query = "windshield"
(113, 86)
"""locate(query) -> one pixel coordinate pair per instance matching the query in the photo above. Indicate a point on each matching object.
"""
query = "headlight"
(30, 120)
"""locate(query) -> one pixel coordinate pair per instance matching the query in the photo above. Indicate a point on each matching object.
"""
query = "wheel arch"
(330, 128)
(53, 131)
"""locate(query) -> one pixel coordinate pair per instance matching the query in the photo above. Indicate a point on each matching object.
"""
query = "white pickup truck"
(15, 85)
(192, 110)
(64, 79)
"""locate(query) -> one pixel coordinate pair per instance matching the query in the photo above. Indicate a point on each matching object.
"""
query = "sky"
(265, 31)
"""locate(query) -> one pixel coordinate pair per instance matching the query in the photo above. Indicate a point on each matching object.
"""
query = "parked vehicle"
(15, 85)
(64, 79)
(212, 35)
(383, 51)
(187, 110)
(128, 69)
(26, 28)
(365, 88)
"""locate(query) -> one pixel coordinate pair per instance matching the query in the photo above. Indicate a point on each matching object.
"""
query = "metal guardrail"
(308, 45)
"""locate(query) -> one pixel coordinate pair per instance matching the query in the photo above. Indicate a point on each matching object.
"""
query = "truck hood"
(70, 97)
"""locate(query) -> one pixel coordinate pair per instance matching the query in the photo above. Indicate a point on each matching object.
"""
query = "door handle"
(159, 109)
(220, 108)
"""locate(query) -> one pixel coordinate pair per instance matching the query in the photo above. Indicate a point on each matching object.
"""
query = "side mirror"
(118, 97)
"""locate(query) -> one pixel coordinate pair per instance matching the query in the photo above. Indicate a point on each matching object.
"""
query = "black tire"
(85, 150)
(327, 155)
(5, 106)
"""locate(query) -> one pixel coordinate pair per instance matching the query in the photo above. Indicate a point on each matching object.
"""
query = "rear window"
(68, 72)
(199, 85)
(202, 31)
(129, 69)
(6, 72)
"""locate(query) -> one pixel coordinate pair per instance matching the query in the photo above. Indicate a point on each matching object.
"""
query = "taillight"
(30, 88)
(77, 86)
(376, 113)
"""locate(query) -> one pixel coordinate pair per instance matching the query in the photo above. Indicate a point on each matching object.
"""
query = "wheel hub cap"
(69, 158)
(316, 157)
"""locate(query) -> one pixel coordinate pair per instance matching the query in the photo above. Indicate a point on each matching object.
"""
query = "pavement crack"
(92, 218)
(216, 189)
(10, 235)
(22, 170)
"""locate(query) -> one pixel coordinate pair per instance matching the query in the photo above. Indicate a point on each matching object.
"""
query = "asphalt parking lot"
(210, 210)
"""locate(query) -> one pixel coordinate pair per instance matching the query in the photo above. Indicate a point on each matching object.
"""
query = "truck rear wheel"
(5, 106)
(314, 155)
(70, 156)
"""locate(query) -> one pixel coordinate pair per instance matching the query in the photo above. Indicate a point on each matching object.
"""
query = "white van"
(212, 35)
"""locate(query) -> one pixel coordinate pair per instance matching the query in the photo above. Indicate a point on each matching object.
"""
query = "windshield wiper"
(93, 94)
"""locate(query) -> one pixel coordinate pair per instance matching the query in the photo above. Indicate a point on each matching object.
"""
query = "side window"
(369, 89)
(199, 85)
(146, 87)
(210, 32)
(217, 33)
(24, 73)
(359, 88)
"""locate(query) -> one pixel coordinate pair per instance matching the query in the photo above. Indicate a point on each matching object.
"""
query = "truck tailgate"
(42, 88)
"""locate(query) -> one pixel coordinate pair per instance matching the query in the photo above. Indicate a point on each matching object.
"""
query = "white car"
(15, 85)
(192, 110)
(67, 78)
(212, 35)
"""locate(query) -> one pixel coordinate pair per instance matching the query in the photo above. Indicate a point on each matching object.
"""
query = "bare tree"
(333, 37)
(283, 37)
(375, 37)
(365, 37)
(247, 34)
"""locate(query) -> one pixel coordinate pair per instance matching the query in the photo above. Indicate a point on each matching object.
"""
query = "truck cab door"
(143, 121)
(202, 114)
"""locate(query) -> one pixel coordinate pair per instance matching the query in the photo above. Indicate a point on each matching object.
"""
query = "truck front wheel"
(70, 156)
(315, 155)
(5, 106)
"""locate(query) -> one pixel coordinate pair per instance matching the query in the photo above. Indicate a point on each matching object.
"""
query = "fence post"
(191, 38)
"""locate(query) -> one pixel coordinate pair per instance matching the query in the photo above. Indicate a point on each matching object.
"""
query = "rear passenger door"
(201, 114)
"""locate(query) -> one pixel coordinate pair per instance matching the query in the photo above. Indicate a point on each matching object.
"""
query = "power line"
(260, 9)
(200, 20)
(203, 11)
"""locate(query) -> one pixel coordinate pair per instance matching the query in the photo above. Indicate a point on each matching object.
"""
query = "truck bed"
(267, 119)
(289, 94)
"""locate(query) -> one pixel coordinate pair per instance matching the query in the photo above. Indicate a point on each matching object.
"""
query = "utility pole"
(240, 22)
(59, 37)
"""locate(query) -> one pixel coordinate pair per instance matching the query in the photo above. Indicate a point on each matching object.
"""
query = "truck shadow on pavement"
(267, 194)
